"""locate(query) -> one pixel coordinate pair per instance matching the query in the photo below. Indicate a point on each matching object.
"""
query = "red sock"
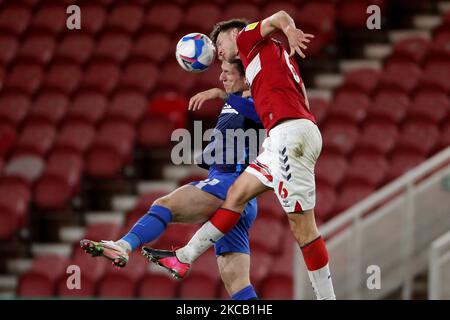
(224, 219)
(315, 254)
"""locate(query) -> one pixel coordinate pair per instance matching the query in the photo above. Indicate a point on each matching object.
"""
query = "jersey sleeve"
(245, 107)
(249, 37)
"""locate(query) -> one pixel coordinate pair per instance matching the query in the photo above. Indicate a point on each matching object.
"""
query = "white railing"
(439, 269)
(391, 229)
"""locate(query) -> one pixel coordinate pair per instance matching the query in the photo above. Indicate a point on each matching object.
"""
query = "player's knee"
(233, 278)
(303, 227)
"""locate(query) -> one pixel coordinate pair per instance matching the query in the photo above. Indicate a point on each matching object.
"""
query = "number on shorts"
(206, 182)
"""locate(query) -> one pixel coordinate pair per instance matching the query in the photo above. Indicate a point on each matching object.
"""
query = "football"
(195, 52)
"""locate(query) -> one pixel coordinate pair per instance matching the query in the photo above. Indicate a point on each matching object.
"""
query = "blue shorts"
(236, 240)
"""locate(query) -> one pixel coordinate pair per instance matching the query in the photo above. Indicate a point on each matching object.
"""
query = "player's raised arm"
(284, 22)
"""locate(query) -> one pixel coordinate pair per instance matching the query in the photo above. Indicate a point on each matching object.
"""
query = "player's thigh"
(190, 204)
(245, 188)
(234, 268)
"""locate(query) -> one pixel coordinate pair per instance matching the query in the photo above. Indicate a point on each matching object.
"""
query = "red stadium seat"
(15, 19)
(36, 139)
(319, 108)
(435, 77)
(113, 47)
(103, 231)
(411, 49)
(157, 286)
(362, 80)
(318, 17)
(350, 194)
(260, 266)
(141, 76)
(444, 140)
(25, 78)
(339, 137)
(377, 137)
(37, 48)
(153, 46)
(13, 108)
(75, 137)
(196, 287)
(41, 280)
(402, 161)
(272, 7)
(127, 105)
(125, 17)
(60, 181)
(276, 287)
(369, 169)
(349, 106)
(8, 48)
(269, 206)
(63, 77)
(400, 76)
(201, 17)
(176, 235)
(88, 107)
(325, 201)
(420, 136)
(51, 18)
(430, 106)
(88, 286)
(352, 13)
(25, 168)
(176, 79)
(8, 139)
(156, 18)
(111, 150)
(390, 106)
(155, 132)
(94, 17)
(243, 10)
(102, 77)
(170, 105)
(76, 47)
(266, 235)
(330, 169)
(49, 107)
(440, 47)
(14, 201)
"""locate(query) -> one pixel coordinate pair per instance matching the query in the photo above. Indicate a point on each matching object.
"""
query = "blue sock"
(247, 293)
(148, 227)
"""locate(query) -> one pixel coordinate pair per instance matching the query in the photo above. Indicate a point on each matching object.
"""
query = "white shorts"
(287, 162)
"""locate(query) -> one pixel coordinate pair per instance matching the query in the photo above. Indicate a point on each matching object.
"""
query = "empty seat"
(411, 49)
(363, 80)
(111, 150)
(269, 206)
(76, 47)
(49, 107)
(377, 137)
(444, 140)
(37, 48)
(210, 79)
(435, 77)
(352, 193)
(88, 107)
(157, 286)
(15, 19)
(431, 106)
(93, 18)
(276, 287)
(102, 77)
(127, 105)
(369, 169)
(325, 202)
(330, 169)
(103, 231)
(201, 17)
(389, 106)
(156, 18)
(41, 280)
(272, 7)
(26, 78)
(170, 105)
(176, 235)
(63, 77)
(402, 161)
(141, 76)
(153, 46)
(125, 17)
(440, 47)
(155, 132)
(260, 264)
(8, 48)
(60, 180)
(340, 137)
(51, 18)
(36, 139)
(114, 47)
(400, 76)
(266, 235)
(25, 168)
(318, 17)
(419, 135)
(76, 137)
(13, 108)
(319, 108)
(14, 201)
(352, 13)
(349, 106)
(8, 139)
(243, 10)
(175, 78)
(196, 287)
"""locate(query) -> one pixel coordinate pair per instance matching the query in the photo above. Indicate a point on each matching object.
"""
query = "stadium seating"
(64, 78)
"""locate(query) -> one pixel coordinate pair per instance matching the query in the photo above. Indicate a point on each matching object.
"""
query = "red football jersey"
(273, 76)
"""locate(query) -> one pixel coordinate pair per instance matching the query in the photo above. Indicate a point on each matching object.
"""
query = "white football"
(195, 52)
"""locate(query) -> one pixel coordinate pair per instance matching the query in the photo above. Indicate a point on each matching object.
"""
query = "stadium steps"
(351, 65)
(377, 51)
(177, 173)
(320, 94)
(398, 35)
(8, 285)
(426, 22)
(71, 234)
(328, 81)
(123, 203)
(94, 217)
(444, 7)
(60, 249)
(151, 186)
(18, 266)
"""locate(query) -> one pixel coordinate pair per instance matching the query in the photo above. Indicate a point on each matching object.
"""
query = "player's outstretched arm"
(284, 22)
(196, 102)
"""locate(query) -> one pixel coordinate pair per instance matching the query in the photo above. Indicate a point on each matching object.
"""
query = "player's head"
(224, 37)
(232, 76)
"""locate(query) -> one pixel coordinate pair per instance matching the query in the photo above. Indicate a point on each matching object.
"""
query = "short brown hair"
(223, 26)
(239, 66)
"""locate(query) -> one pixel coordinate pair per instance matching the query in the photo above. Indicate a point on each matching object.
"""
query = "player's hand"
(297, 39)
(196, 102)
